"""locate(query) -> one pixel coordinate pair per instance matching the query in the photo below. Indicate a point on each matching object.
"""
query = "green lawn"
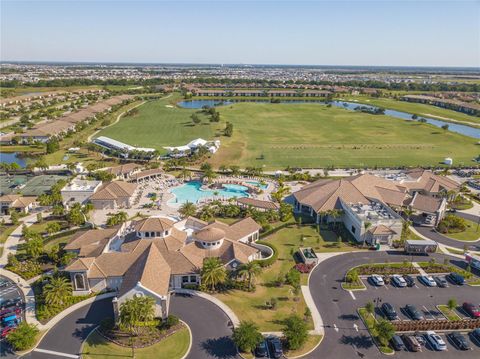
(251, 306)
(300, 135)
(172, 347)
(448, 313)
(472, 233)
(419, 109)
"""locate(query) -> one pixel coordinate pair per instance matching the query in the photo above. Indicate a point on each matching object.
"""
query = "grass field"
(172, 347)
(415, 108)
(472, 233)
(301, 135)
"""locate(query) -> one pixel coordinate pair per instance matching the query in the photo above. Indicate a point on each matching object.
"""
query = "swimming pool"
(257, 184)
(192, 192)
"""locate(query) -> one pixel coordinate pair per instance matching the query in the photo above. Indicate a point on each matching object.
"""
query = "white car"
(428, 280)
(399, 281)
(436, 341)
(377, 280)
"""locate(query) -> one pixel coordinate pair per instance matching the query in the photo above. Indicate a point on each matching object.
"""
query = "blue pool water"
(257, 184)
(192, 192)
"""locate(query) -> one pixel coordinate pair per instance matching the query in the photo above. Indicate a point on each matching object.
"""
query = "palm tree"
(213, 273)
(187, 209)
(250, 270)
(366, 225)
(57, 291)
(408, 213)
(184, 173)
(135, 311)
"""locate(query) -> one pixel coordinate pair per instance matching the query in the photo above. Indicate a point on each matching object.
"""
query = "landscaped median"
(375, 328)
(438, 268)
(353, 280)
(448, 312)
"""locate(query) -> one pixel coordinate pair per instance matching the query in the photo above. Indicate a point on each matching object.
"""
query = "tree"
(246, 336)
(58, 210)
(228, 129)
(352, 276)
(195, 119)
(187, 209)
(452, 303)
(366, 225)
(14, 217)
(53, 227)
(75, 216)
(39, 217)
(385, 331)
(370, 307)
(213, 273)
(250, 270)
(23, 337)
(295, 331)
(135, 311)
(34, 247)
(57, 291)
(445, 126)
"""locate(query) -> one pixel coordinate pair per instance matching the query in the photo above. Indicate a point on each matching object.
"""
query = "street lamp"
(377, 302)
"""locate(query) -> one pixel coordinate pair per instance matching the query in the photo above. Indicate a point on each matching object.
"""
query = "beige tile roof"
(426, 203)
(23, 202)
(9, 198)
(381, 230)
(91, 243)
(122, 169)
(258, 203)
(115, 190)
(154, 224)
(210, 234)
(151, 270)
(429, 181)
(81, 264)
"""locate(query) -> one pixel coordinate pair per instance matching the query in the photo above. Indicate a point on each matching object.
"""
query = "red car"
(7, 312)
(472, 310)
(4, 331)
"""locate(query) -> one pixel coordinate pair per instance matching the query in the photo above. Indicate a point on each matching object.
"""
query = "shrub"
(296, 332)
(23, 337)
(107, 324)
(246, 336)
(293, 277)
(304, 268)
(170, 321)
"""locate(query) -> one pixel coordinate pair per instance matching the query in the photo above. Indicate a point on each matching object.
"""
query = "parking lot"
(425, 299)
(11, 305)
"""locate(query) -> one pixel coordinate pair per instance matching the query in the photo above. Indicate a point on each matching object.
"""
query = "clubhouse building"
(369, 205)
(155, 256)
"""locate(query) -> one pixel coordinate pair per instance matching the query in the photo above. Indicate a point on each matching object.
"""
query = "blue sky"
(388, 32)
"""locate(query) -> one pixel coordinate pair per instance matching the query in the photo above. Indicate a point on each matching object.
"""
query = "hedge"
(268, 262)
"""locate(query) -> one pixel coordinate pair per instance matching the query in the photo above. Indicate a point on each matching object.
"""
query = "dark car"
(459, 340)
(411, 343)
(261, 350)
(397, 342)
(389, 311)
(410, 281)
(441, 282)
(12, 303)
(476, 334)
(472, 310)
(413, 312)
(275, 347)
(456, 278)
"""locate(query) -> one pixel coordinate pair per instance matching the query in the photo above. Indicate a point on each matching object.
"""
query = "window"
(79, 282)
(193, 279)
(353, 229)
(147, 234)
(185, 279)
(158, 234)
(166, 233)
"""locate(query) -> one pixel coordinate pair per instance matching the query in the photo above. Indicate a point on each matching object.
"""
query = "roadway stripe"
(56, 353)
(353, 295)
(335, 327)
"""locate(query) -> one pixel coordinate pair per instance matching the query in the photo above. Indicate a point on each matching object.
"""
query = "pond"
(454, 127)
(13, 157)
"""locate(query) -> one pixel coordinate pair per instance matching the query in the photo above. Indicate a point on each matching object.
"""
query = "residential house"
(17, 203)
(113, 195)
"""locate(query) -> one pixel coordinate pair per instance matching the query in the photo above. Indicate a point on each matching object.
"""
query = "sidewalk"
(11, 243)
(420, 270)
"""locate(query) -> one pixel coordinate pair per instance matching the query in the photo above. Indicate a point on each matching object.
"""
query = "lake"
(13, 157)
(454, 127)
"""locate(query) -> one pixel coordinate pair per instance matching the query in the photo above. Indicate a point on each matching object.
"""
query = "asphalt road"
(440, 238)
(345, 334)
(210, 329)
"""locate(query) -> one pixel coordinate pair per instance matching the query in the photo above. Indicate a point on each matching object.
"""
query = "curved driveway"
(345, 334)
(210, 329)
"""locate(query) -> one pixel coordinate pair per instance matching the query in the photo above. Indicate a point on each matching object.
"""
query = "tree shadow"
(361, 341)
(220, 347)
(351, 317)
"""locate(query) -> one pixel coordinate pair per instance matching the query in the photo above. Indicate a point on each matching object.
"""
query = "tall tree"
(213, 273)
(249, 271)
(57, 291)
(135, 311)
(246, 336)
(187, 209)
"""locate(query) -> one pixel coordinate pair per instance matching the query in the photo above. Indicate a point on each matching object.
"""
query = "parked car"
(456, 278)
(413, 312)
(4, 331)
(5, 312)
(427, 280)
(5, 283)
(12, 303)
(411, 343)
(441, 282)
(472, 310)
(389, 311)
(399, 281)
(409, 280)
(275, 347)
(377, 280)
(459, 341)
(476, 334)
(397, 342)
(435, 341)
(261, 350)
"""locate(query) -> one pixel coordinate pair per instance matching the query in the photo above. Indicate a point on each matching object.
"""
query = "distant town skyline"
(341, 33)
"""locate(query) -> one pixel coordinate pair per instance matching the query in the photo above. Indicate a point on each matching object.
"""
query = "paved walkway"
(475, 210)
(420, 270)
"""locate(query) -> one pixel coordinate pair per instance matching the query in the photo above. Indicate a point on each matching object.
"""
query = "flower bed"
(443, 268)
(304, 268)
(386, 269)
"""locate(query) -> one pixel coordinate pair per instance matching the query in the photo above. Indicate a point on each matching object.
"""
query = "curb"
(369, 333)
